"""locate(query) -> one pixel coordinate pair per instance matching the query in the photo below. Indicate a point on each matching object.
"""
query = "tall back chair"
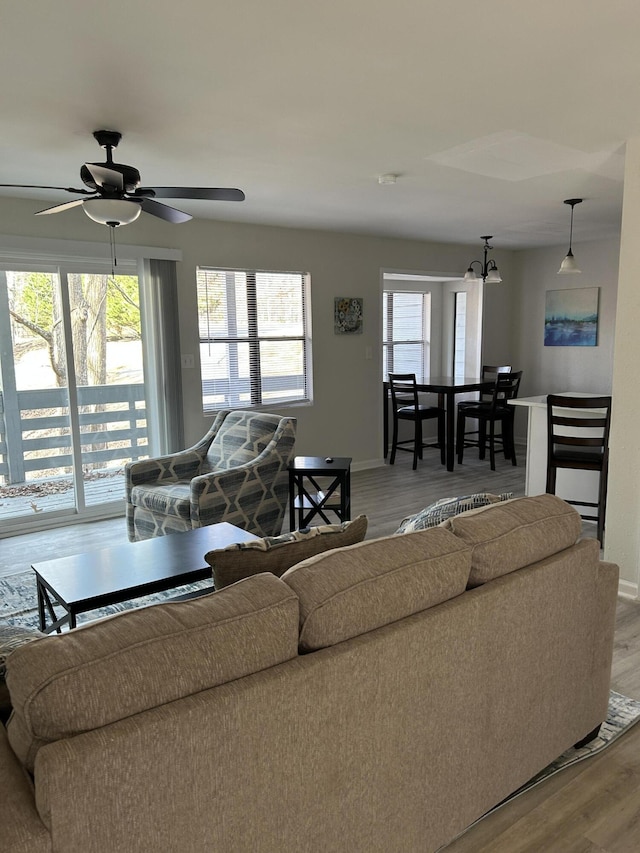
(406, 406)
(578, 438)
(489, 374)
(496, 411)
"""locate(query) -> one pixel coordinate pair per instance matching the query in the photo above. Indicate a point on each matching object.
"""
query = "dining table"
(446, 387)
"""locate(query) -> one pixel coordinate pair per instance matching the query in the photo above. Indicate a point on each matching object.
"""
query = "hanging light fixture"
(488, 268)
(569, 264)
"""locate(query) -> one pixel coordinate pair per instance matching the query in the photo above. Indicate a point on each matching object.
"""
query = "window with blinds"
(405, 324)
(255, 341)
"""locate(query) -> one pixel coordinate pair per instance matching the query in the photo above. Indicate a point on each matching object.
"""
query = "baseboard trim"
(626, 589)
(367, 464)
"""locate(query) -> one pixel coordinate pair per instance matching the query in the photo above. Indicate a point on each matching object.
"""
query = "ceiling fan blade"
(170, 214)
(205, 193)
(40, 187)
(104, 177)
(60, 207)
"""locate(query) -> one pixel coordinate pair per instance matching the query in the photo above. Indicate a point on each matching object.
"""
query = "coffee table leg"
(41, 613)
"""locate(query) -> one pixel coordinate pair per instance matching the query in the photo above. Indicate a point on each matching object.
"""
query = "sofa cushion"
(116, 667)
(436, 513)
(352, 590)
(276, 554)
(508, 536)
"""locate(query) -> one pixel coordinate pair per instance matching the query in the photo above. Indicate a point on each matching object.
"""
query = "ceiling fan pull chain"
(112, 245)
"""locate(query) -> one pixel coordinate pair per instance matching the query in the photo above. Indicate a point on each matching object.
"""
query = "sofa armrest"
(22, 829)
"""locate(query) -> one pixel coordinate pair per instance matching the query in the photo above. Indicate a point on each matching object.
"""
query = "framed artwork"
(571, 317)
(347, 315)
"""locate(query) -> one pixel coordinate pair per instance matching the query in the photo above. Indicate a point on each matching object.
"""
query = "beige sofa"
(378, 697)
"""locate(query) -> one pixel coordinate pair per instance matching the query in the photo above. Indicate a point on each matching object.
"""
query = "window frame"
(253, 339)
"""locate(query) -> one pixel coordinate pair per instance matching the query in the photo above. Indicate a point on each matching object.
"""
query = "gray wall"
(556, 369)
(345, 418)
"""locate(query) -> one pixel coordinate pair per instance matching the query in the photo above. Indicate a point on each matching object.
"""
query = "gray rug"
(18, 600)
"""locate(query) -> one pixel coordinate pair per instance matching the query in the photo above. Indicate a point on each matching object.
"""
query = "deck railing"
(35, 430)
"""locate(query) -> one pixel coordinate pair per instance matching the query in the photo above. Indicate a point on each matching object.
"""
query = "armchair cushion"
(276, 554)
(166, 498)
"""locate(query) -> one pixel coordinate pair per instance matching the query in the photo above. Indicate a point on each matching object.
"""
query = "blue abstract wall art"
(571, 317)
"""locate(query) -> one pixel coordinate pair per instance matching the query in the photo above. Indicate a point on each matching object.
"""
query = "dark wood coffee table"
(85, 582)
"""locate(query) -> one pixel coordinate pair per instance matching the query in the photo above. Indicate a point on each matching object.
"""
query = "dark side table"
(317, 485)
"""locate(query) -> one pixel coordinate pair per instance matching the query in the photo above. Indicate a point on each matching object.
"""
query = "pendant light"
(569, 264)
(488, 268)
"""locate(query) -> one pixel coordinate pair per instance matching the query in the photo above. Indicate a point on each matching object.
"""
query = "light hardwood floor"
(593, 807)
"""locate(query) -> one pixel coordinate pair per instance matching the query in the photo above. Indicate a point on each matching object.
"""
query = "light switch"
(187, 361)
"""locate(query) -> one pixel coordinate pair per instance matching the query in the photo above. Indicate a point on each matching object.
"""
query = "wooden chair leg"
(441, 439)
(460, 436)
(394, 442)
(492, 445)
(417, 443)
(482, 439)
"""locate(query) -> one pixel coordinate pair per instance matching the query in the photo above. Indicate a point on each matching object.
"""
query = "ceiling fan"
(115, 196)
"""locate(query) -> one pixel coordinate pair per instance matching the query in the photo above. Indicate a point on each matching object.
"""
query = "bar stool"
(489, 374)
(489, 414)
(578, 438)
(406, 406)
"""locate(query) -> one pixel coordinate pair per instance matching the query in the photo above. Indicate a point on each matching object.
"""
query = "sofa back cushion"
(507, 536)
(349, 591)
(116, 667)
(276, 554)
(241, 438)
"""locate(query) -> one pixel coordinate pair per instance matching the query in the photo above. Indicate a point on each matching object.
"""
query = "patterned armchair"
(236, 473)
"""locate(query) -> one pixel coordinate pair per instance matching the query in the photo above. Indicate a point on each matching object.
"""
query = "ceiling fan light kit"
(488, 268)
(114, 196)
(112, 211)
(569, 265)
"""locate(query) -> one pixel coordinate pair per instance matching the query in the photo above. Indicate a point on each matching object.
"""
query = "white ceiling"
(491, 114)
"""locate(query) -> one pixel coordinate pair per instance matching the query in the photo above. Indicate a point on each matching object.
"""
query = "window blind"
(254, 337)
(404, 338)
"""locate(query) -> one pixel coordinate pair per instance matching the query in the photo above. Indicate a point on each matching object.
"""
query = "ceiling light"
(112, 211)
(488, 268)
(569, 264)
(389, 178)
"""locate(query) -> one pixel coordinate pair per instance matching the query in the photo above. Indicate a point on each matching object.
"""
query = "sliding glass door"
(72, 396)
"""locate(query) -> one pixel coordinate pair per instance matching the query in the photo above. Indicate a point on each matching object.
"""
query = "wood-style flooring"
(593, 807)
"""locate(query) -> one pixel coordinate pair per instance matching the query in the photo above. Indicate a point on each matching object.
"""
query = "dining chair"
(488, 374)
(496, 411)
(406, 406)
(578, 438)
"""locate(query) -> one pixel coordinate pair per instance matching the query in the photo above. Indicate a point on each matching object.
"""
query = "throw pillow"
(441, 510)
(276, 554)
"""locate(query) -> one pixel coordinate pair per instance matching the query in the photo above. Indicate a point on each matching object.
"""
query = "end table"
(317, 485)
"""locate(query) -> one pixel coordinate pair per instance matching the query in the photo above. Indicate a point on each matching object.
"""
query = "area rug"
(18, 600)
